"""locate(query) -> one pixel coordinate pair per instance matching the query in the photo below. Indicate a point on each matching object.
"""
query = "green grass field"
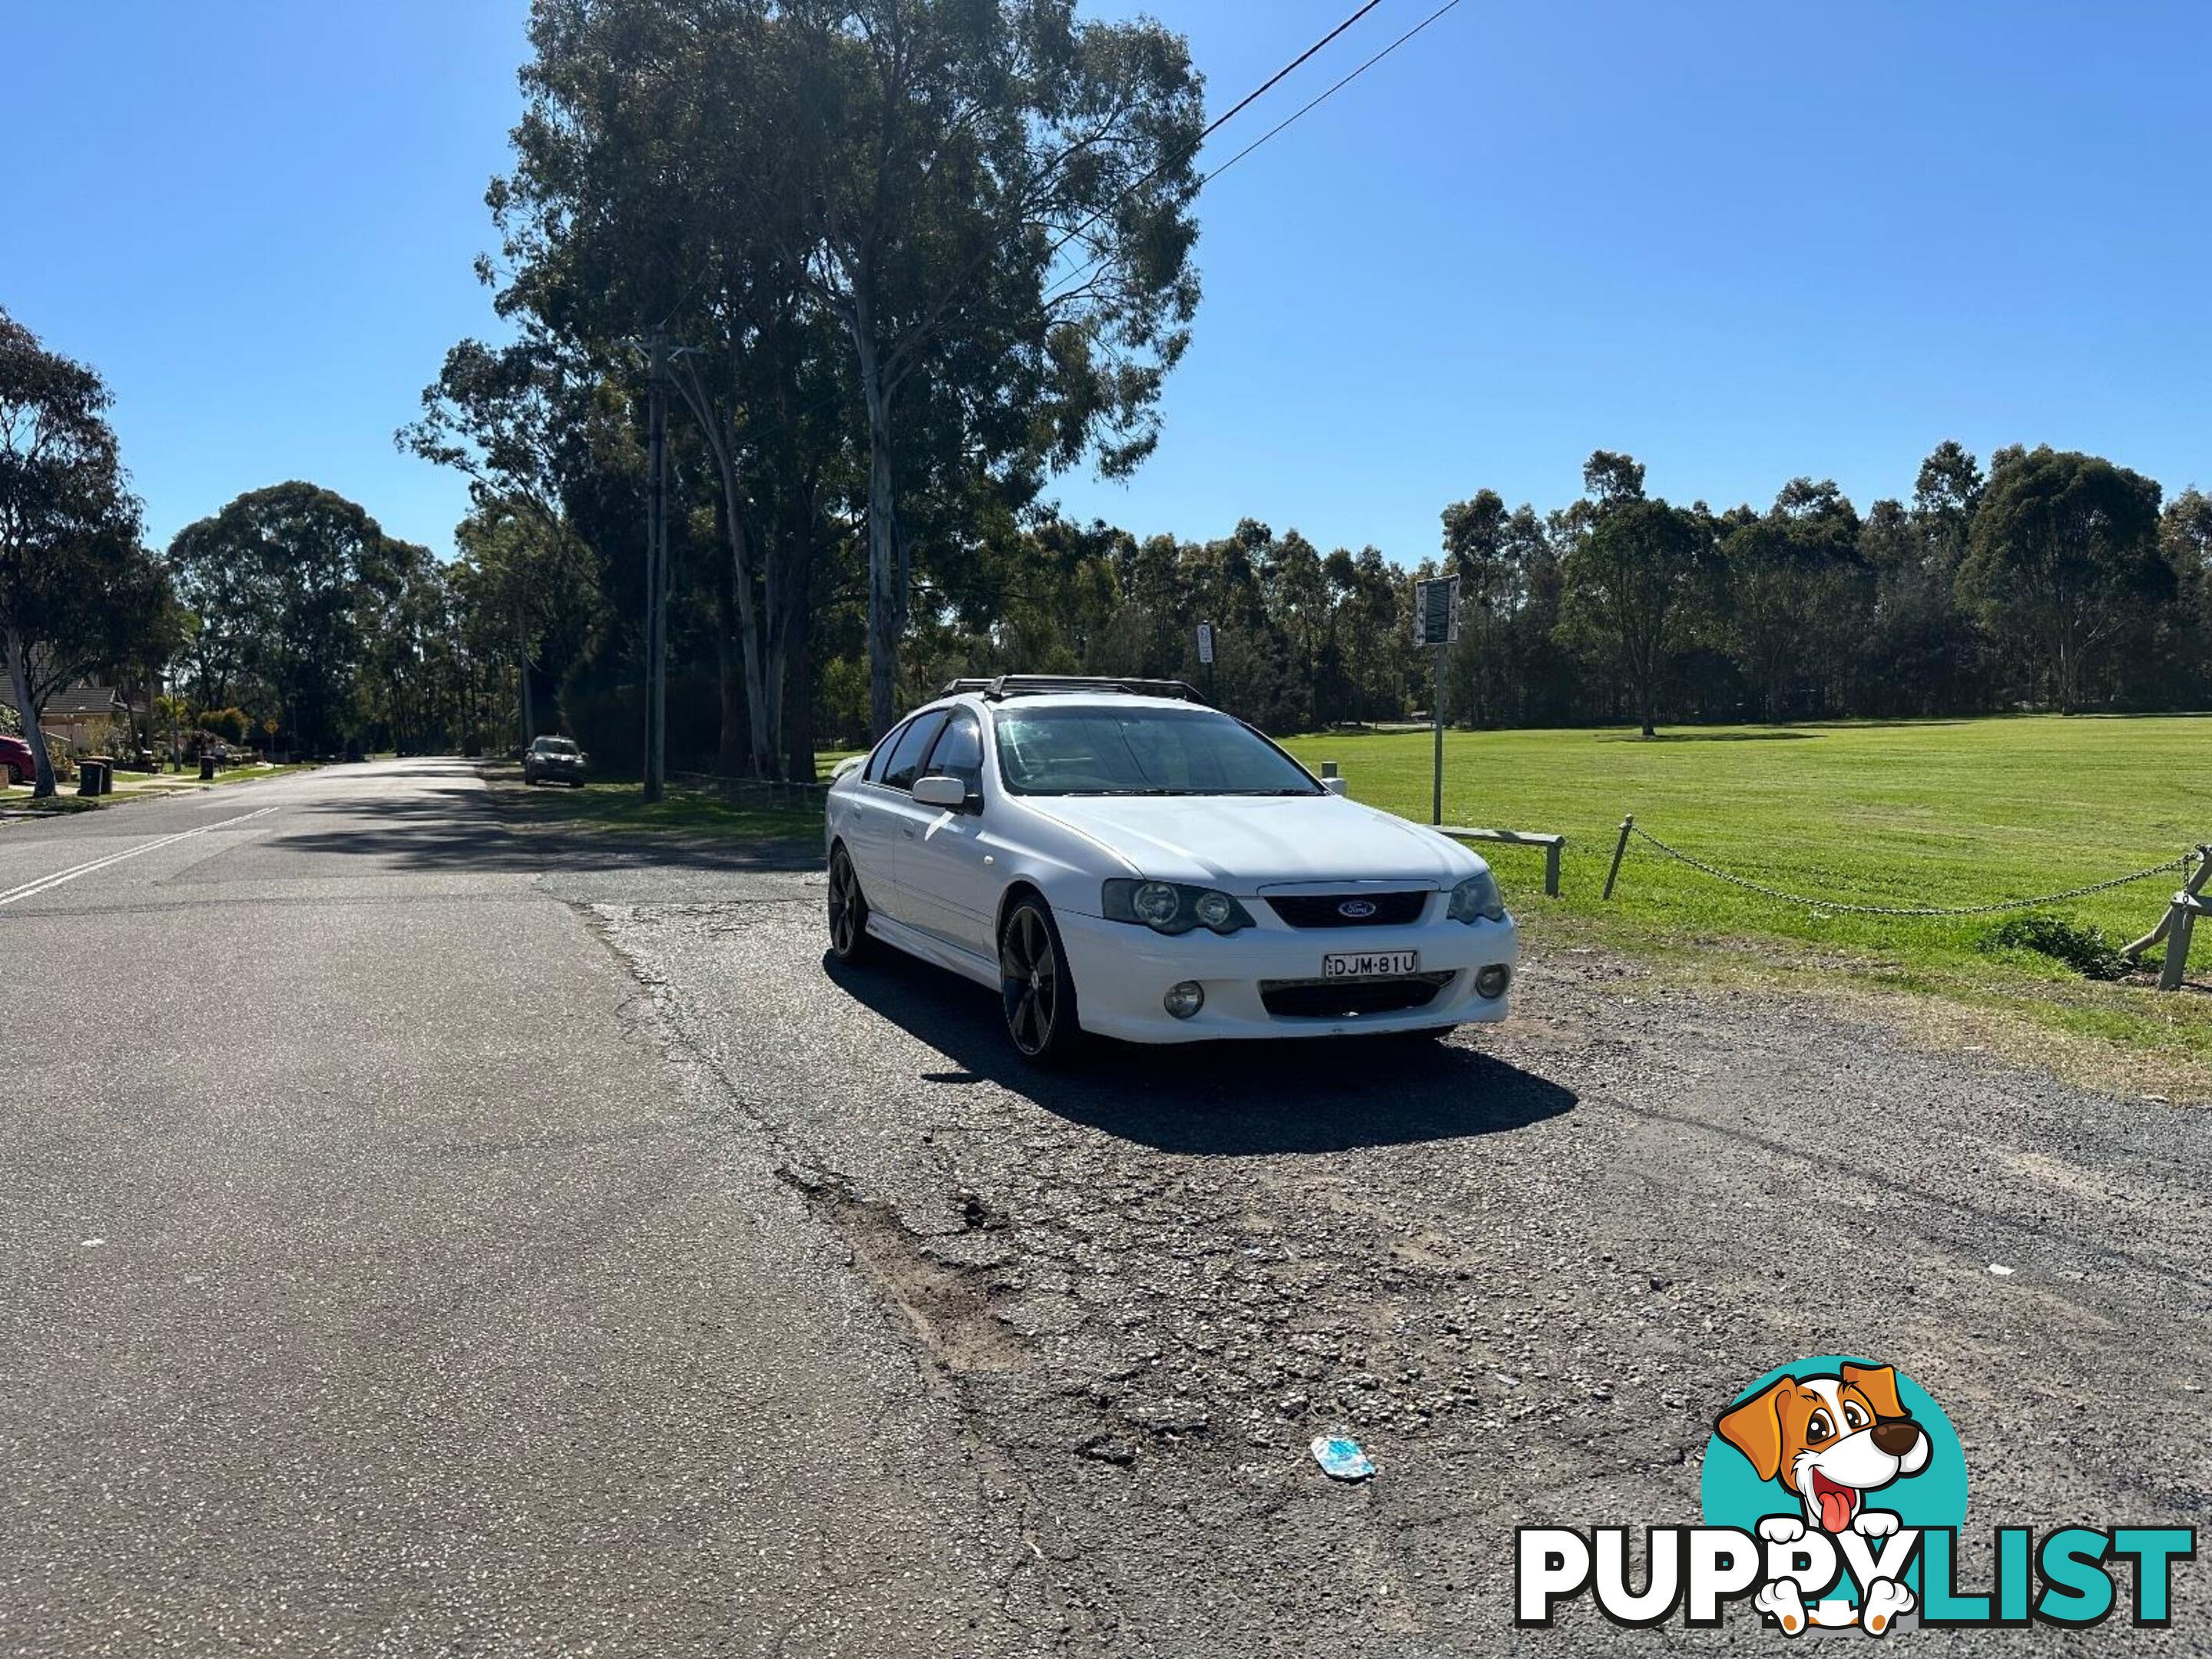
(1925, 813)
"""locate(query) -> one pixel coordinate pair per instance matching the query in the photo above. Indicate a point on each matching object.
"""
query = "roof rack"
(1033, 685)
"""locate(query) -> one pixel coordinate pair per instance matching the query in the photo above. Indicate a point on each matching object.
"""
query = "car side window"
(882, 757)
(913, 742)
(959, 752)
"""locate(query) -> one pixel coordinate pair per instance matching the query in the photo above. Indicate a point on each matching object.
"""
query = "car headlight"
(1169, 907)
(1477, 899)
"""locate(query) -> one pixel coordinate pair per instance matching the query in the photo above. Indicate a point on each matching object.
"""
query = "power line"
(1328, 94)
(1259, 91)
(1212, 127)
(1069, 282)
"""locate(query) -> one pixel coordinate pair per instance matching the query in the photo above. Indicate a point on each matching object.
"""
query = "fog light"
(1490, 982)
(1184, 1000)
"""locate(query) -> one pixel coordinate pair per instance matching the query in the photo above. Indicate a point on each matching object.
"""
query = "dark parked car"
(553, 760)
(16, 760)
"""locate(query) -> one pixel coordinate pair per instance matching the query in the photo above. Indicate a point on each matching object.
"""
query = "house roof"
(73, 702)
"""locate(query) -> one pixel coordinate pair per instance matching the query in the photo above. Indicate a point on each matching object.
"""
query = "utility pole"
(1436, 773)
(656, 571)
(1435, 624)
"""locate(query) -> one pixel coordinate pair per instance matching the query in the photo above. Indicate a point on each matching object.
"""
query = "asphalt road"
(428, 1234)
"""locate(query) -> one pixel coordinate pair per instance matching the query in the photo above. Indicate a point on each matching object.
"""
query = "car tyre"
(15, 773)
(850, 942)
(1036, 992)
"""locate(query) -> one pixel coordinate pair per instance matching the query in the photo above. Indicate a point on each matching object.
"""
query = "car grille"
(1347, 999)
(1391, 909)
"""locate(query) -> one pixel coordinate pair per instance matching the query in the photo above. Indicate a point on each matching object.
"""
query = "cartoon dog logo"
(1829, 1441)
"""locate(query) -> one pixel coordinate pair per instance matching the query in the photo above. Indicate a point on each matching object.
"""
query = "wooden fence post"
(2181, 922)
(1620, 849)
(2195, 885)
(1552, 868)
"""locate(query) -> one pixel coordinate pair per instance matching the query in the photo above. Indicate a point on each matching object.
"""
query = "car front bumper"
(1122, 972)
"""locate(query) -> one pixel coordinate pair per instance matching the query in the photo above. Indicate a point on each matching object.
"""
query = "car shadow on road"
(1233, 1099)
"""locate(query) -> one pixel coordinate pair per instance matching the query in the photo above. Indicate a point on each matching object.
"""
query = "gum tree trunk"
(19, 674)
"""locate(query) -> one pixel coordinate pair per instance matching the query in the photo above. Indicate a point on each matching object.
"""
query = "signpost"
(1206, 655)
(1435, 623)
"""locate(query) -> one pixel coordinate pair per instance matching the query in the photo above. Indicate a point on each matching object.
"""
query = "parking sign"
(1436, 611)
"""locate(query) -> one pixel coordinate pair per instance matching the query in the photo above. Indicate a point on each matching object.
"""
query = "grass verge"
(255, 774)
(621, 806)
(1912, 814)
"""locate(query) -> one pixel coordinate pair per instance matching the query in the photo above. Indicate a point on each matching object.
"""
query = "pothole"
(954, 1309)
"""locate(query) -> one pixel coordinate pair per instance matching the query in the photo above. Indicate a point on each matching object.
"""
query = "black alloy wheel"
(1035, 986)
(849, 940)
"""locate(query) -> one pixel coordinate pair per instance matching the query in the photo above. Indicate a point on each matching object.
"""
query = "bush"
(2085, 950)
(228, 724)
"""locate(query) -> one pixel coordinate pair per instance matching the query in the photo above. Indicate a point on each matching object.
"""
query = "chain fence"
(1834, 907)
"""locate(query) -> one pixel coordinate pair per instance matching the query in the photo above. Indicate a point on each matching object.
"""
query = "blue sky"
(1742, 241)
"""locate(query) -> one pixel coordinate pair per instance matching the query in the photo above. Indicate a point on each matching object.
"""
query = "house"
(82, 715)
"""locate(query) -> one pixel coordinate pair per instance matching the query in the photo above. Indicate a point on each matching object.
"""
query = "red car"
(15, 758)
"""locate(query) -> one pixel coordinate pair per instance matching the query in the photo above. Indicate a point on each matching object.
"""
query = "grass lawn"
(620, 805)
(1924, 813)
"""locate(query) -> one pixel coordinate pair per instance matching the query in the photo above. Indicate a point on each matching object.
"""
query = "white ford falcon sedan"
(1114, 857)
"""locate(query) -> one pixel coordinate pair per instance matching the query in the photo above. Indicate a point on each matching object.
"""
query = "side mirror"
(941, 791)
(1334, 785)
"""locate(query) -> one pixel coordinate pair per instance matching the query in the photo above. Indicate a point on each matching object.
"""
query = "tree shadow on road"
(1234, 1099)
(464, 829)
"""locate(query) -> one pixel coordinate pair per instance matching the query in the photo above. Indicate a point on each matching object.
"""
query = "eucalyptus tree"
(1629, 582)
(1794, 610)
(78, 591)
(2064, 558)
(292, 574)
(1475, 550)
(537, 583)
(2186, 536)
(1945, 498)
(406, 628)
(649, 224)
(521, 422)
(996, 210)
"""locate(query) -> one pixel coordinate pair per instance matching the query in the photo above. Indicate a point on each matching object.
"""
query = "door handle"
(908, 830)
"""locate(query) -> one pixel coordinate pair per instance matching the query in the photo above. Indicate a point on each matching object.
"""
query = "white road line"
(32, 888)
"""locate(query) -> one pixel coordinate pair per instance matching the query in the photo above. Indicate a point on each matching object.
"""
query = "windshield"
(1140, 751)
(555, 746)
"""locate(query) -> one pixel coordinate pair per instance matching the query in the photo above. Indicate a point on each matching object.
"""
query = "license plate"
(1370, 964)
